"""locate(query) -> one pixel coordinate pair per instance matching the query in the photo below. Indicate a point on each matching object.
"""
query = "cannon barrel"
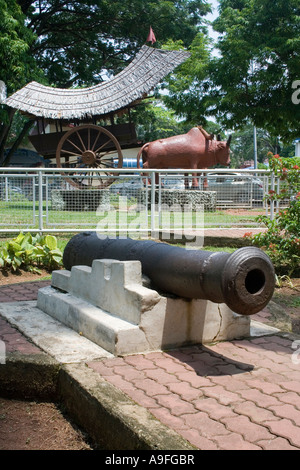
(244, 280)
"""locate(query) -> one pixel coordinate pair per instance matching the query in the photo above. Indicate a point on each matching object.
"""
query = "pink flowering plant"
(281, 240)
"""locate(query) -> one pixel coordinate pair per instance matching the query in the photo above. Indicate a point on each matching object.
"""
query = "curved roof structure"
(134, 82)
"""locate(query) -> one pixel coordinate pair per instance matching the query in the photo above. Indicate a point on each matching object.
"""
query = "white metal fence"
(48, 200)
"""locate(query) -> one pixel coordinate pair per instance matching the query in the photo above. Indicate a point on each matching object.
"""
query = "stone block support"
(109, 305)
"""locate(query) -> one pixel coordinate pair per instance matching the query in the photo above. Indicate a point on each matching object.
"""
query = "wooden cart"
(86, 144)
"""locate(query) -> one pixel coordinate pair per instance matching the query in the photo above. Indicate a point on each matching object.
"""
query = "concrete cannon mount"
(113, 306)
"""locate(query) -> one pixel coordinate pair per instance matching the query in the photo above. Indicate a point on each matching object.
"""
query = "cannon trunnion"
(244, 280)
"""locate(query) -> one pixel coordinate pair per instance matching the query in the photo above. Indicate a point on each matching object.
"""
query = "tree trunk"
(17, 142)
(4, 131)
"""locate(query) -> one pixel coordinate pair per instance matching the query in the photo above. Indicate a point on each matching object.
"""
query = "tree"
(281, 239)
(243, 146)
(18, 67)
(80, 43)
(153, 121)
(260, 59)
(255, 77)
(188, 86)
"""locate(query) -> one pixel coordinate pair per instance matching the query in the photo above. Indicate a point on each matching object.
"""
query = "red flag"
(151, 36)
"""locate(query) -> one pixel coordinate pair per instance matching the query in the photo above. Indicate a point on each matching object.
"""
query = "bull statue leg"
(186, 181)
(205, 182)
(195, 182)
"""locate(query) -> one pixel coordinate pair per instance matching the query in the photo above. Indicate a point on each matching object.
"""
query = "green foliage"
(243, 146)
(31, 253)
(188, 84)
(81, 42)
(252, 79)
(282, 238)
(153, 121)
(17, 64)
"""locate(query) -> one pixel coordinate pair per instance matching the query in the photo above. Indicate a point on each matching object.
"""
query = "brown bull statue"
(194, 150)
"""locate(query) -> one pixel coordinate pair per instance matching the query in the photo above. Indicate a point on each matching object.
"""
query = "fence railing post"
(57, 215)
(152, 217)
(271, 199)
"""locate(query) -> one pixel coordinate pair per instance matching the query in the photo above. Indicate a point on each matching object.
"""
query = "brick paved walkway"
(233, 395)
(21, 291)
(13, 339)
(242, 394)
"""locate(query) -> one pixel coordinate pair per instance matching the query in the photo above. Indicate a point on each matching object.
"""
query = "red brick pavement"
(233, 395)
(14, 340)
(21, 291)
(242, 394)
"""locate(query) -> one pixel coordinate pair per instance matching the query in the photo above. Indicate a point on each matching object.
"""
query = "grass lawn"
(25, 215)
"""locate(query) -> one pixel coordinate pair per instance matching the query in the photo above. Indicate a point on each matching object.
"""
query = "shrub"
(281, 241)
(31, 253)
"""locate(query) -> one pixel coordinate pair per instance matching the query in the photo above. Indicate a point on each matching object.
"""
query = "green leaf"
(57, 251)
(14, 246)
(17, 261)
(19, 253)
(51, 242)
(57, 259)
(19, 239)
(27, 239)
(38, 250)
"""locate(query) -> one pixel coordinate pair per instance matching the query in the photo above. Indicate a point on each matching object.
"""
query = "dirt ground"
(37, 426)
(42, 426)
(6, 277)
(285, 306)
(32, 425)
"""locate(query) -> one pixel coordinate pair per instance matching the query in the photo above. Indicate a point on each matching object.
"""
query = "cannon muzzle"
(244, 280)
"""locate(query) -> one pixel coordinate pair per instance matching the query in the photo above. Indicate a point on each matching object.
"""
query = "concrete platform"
(232, 395)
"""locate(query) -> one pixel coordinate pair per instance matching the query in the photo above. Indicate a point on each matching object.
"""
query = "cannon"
(244, 280)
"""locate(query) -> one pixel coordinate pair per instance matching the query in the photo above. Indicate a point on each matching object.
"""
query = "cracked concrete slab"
(59, 341)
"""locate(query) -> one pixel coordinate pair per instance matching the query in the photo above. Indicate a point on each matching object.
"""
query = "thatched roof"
(146, 70)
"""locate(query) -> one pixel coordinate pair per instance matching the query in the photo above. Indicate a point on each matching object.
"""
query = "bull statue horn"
(228, 141)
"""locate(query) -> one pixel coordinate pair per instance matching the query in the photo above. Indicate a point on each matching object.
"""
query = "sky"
(212, 16)
(214, 4)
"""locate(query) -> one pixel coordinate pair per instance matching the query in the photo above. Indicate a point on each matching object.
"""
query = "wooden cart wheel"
(89, 146)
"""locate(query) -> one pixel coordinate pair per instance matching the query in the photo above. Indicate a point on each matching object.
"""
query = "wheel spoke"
(96, 140)
(72, 143)
(84, 140)
(102, 146)
(100, 163)
(89, 138)
(75, 159)
(72, 153)
(106, 156)
(79, 136)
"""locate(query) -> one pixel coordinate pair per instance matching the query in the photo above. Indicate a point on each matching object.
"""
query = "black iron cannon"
(244, 280)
